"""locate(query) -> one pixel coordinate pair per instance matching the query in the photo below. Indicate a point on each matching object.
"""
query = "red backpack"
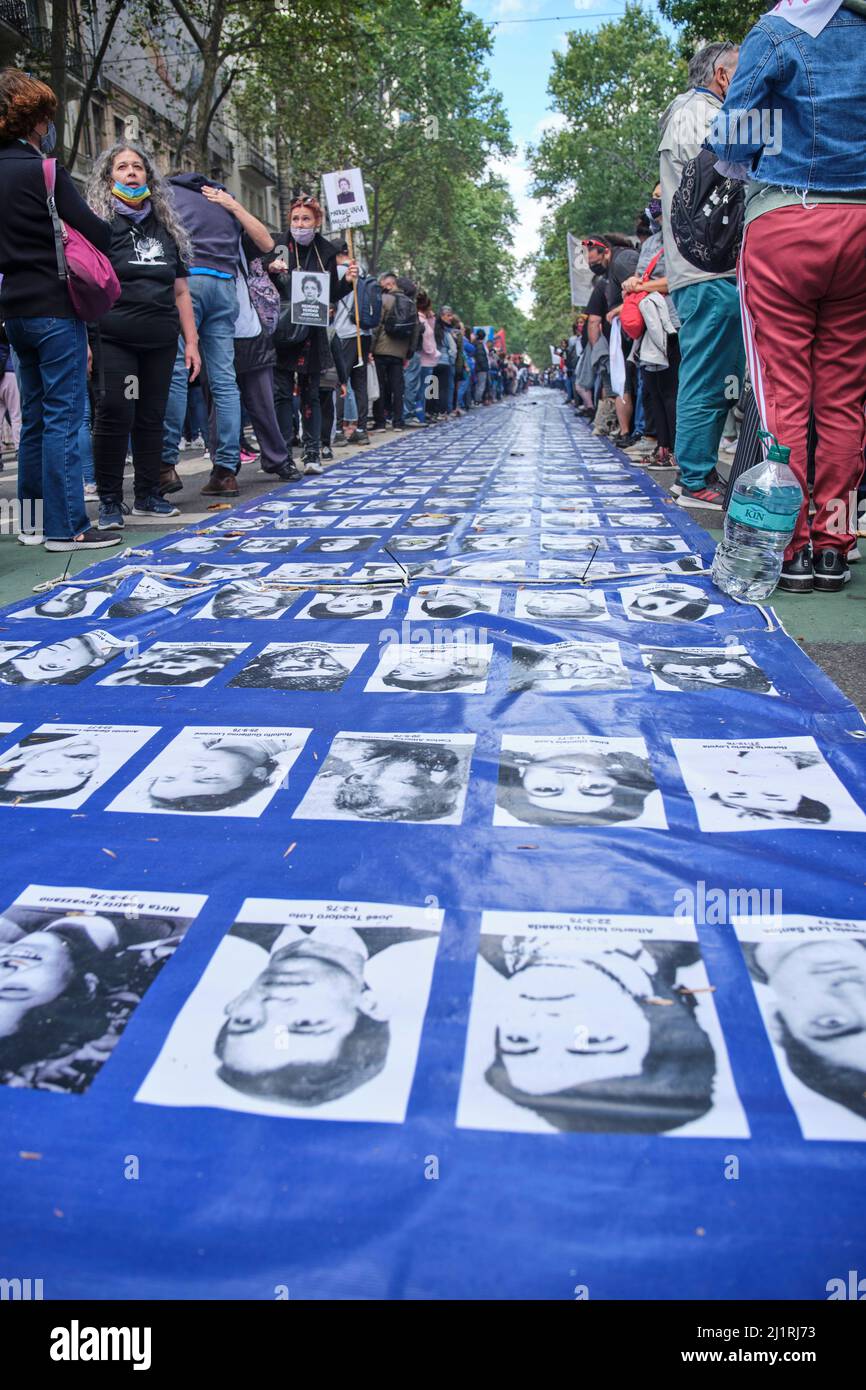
(89, 275)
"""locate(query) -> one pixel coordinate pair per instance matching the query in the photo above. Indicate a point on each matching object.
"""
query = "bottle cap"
(779, 453)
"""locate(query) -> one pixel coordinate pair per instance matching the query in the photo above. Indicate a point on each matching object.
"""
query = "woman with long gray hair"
(137, 339)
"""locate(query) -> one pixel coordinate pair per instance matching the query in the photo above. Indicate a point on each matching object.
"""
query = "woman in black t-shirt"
(137, 340)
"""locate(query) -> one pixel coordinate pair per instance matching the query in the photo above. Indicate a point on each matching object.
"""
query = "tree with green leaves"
(598, 167)
(707, 20)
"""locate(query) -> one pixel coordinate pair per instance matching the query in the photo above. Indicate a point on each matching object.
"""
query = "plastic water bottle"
(759, 524)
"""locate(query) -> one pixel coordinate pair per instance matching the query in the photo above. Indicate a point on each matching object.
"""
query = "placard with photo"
(247, 599)
(595, 1023)
(451, 601)
(656, 545)
(568, 667)
(416, 778)
(577, 780)
(243, 1041)
(264, 545)
(316, 666)
(765, 784)
(340, 605)
(208, 771)
(345, 199)
(434, 668)
(59, 663)
(561, 605)
(661, 602)
(809, 978)
(311, 298)
(76, 963)
(63, 764)
(71, 601)
(176, 663)
(696, 669)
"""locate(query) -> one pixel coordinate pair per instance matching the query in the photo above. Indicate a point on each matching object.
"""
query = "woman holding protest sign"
(300, 348)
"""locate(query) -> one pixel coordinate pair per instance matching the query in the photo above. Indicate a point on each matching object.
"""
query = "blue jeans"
(215, 303)
(350, 406)
(411, 384)
(85, 443)
(52, 375)
(711, 366)
(463, 392)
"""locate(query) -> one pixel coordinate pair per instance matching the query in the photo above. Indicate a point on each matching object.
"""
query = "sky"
(527, 34)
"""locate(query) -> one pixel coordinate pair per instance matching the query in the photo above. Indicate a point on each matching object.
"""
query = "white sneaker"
(30, 538)
(313, 466)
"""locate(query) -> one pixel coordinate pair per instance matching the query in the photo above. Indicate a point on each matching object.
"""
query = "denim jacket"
(796, 109)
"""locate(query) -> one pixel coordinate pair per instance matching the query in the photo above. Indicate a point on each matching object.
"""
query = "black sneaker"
(360, 437)
(327, 452)
(831, 571)
(93, 538)
(797, 573)
(111, 513)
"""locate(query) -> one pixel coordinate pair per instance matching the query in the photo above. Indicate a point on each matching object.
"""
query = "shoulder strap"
(648, 273)
(49, 174)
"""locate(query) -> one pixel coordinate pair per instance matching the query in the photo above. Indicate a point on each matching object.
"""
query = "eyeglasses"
(727, 47)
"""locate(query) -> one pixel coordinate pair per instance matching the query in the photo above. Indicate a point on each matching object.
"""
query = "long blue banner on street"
(397, 866)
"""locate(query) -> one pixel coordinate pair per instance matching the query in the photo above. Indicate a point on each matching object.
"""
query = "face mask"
(49, 139)
(653, 209)
(303, 235)
(341, 271)
(133, 197)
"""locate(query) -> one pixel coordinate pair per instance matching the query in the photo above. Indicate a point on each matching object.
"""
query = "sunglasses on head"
(599, 245)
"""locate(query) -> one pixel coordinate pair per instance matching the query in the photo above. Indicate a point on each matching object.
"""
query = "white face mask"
(341, 271)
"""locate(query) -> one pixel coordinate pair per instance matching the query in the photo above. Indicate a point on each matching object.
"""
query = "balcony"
(77, 64)
(14, 29)
(254, 166)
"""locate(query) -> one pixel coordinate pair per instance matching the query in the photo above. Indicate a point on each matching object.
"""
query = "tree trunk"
(210, 68)
(59, 26)
(93, 78)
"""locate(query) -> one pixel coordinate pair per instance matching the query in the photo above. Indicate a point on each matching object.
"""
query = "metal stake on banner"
(351, 241)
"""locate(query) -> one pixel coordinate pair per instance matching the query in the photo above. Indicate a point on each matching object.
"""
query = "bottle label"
(751, 513)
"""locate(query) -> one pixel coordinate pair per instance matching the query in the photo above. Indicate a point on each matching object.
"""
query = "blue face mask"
(48, 141)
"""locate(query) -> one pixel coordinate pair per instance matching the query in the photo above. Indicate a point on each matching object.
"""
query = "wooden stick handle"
(350, 238)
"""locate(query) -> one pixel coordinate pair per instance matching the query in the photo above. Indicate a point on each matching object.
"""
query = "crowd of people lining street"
(785, 113)
(198, 347)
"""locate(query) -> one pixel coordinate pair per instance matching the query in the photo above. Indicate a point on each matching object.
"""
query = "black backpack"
(402, 320)
(707, 215)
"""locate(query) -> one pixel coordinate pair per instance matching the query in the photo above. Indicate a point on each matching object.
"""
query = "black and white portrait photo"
(491, 543)
(502, 521)
(420, 521)
(492, 569)
(660, 602)
(233, 524)
(588, 567)
(63, 764)
(433, 668)
(75, 964)
(214, 573)
(339, 605)
(176, 663)
(196, 545)
(247, 599)
(345, 198)
(636, 520)
(380, 521)
(264, 545)
(69, 601)
(310, 298)
(809, 978)
(576, 780)
(697, 669)
(420, 544)
(561, 605)
(58, 663)
(765, 784)
(293, 572)
(307, 1009)
(150, 594)
(452, 601)
(315, 666)
(567, 666)
(656, 545)
(342, 545)
(214, 772)
(594, 1031)
(420, 778)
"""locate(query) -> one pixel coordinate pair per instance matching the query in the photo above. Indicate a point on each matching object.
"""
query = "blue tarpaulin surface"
(482, 919)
